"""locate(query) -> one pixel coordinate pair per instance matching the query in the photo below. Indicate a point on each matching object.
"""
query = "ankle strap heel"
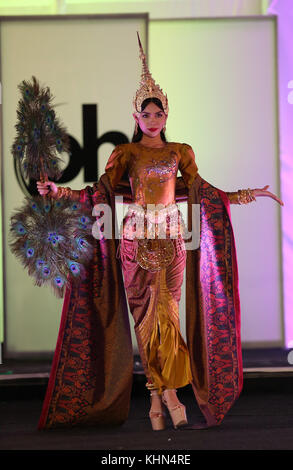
(177, 412)
(157, 417)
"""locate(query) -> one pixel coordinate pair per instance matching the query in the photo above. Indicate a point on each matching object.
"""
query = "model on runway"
(90, 381)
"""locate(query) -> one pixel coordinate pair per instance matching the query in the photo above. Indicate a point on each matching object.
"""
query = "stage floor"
(261, 419)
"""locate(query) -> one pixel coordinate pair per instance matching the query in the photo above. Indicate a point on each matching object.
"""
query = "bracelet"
(245, 196)
(63, 192)
(150, 386)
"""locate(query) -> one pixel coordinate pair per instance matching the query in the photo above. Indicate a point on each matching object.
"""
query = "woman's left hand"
(263, 192)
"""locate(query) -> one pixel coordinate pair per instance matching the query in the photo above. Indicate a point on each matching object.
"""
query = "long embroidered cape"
(91, 377)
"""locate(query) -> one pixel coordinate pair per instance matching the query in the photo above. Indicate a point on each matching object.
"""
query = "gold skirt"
(153, 298)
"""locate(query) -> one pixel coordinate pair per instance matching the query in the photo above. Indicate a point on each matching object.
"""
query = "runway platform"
(262, 418)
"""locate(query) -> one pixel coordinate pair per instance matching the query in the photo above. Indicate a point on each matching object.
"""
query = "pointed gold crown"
(148, 87)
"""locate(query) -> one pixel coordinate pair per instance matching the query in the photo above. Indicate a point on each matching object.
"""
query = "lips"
(153, 129)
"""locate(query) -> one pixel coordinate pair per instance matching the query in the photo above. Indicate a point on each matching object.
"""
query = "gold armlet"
(245, 196)
(233, 197)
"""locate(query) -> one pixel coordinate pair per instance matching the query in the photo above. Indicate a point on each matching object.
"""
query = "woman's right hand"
(47, 187)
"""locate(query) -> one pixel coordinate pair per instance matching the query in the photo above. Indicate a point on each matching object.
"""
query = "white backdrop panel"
(83, 61)
(221, 81)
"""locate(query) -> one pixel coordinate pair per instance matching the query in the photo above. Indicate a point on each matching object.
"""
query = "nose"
(153, 122)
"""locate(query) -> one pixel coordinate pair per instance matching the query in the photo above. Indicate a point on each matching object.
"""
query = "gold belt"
(155, 250)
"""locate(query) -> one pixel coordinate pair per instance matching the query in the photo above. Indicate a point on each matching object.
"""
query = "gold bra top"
(152, 172)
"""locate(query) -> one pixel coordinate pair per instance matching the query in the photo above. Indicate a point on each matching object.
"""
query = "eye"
(145, 115)
(159, 115)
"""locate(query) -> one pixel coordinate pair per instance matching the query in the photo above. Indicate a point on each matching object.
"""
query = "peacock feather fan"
(40, 137)
(53, 240)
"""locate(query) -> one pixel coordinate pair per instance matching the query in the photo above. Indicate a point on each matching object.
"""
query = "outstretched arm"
(245, 196)
(188, 169)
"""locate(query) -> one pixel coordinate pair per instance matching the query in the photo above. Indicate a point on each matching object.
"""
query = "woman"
(153, 254)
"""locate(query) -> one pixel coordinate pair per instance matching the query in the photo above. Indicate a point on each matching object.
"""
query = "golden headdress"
(148, 88)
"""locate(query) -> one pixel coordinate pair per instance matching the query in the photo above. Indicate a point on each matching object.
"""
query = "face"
(151, 120)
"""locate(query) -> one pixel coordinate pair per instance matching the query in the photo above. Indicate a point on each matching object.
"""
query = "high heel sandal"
(177, 412)
(157, 417)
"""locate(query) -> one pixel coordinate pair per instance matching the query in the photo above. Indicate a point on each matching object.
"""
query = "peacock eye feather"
(74, 267)
(30, 252)
(20, 229)
(59, 281)
(46, 270)
(81, 243)
(39, 263)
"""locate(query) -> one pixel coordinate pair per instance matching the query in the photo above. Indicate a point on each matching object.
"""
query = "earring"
(136, 129)
(164, 129)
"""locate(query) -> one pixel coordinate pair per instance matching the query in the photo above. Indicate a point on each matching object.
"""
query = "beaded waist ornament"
(154, 231)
